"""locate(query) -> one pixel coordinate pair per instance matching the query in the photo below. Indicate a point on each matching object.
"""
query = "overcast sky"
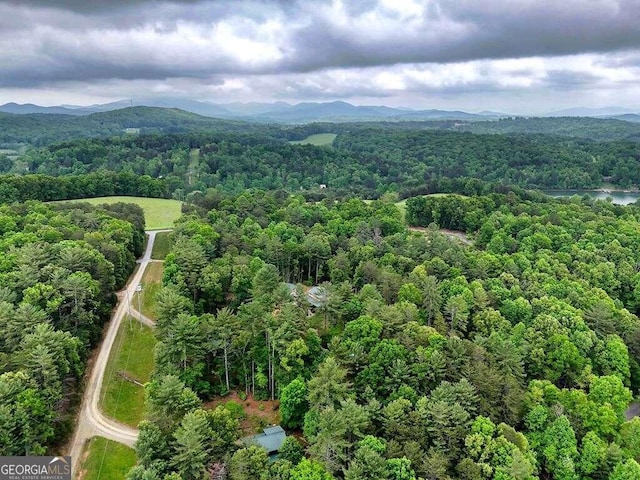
(517, 56)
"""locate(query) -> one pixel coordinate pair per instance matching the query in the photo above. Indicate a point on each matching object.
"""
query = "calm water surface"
(620, 198)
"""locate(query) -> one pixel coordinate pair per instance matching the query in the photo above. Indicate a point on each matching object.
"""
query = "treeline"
(408, 158)
(514, 359)
(366, 162)
(598, 129)
(45, 188)
(44, 129)
(60, 267)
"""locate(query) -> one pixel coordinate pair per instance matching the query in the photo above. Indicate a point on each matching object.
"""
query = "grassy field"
(162, 246)
(151, 283)
(319, 139)
(158, 212)
(106, 460)
(132, 355)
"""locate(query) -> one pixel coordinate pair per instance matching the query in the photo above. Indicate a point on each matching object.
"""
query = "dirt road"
(91, 421)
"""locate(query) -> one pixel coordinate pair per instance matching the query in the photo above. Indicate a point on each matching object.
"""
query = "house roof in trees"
(315, 296)
(271, 439)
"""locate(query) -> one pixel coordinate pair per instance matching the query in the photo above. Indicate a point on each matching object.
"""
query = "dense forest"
(510, 355)
(579, 127)
(37, 129)
(59, 268)
(367, 162)
(487, 335)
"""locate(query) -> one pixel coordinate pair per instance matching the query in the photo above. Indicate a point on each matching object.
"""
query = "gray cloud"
(453, 31)
(567, 79)
(320, 48)
(91, 6)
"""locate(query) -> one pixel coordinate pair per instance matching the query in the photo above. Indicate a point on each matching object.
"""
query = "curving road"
(91, 421)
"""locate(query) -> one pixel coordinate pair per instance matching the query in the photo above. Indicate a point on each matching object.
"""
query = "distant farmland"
(158, 212)
(319, 139)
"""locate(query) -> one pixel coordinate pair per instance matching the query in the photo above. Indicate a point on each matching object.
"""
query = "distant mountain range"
(279, 112)
(591, 112)
(282, 112)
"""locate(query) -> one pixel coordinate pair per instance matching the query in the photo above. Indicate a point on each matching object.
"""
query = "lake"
(619, 198)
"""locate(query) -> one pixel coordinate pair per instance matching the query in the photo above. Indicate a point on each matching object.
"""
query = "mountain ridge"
(277, 112)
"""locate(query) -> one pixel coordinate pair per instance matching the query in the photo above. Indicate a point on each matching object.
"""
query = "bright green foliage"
(593, 454)
(400, 469)
(560, 449)
(309, 470)
(630, 437)
(364, 330)
(493, 455)
(293, 403)
(409, 292)
(629, 470)
(614, 359)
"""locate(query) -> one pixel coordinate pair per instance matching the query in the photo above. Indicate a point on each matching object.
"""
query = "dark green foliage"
(59, 268)
(16, 188)
(291, 450)
(367, 159)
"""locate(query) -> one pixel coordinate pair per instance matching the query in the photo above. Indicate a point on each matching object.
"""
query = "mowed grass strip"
(106, 460)
(162, 245)
(318, 139)
(131, 358)
(151, 283)
(158, 212)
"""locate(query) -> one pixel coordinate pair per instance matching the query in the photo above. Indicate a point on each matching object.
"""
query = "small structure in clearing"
(315, 296)
(271, 439)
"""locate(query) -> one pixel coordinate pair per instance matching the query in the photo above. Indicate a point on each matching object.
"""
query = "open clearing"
(131, 361)
(450, 234)
(151, 283)
(258, 413)
(11, 154)
(106, 460)
(162, 245)
(319, 139)
(158, 212)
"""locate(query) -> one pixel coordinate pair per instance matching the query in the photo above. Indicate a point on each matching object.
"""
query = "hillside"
(43, 129)
(598, 129)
